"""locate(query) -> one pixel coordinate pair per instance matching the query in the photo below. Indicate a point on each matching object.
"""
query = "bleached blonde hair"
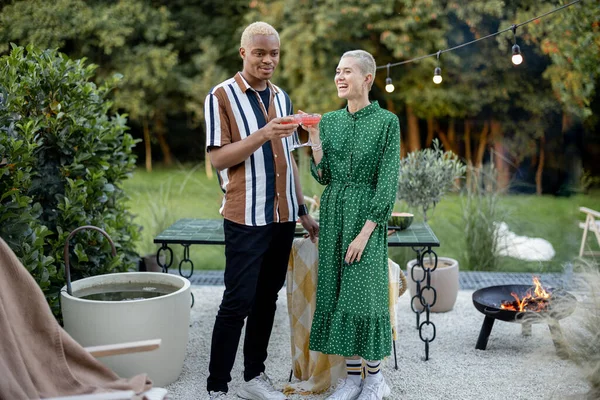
(365, 61)
(257, 28)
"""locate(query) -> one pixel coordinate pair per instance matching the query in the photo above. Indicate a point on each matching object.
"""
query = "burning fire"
(536, 301)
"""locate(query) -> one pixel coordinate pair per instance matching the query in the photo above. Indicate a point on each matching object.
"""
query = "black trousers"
(255, 268)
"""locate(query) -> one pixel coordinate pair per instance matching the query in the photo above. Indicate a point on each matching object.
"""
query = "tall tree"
(208, 51)
(570, 42)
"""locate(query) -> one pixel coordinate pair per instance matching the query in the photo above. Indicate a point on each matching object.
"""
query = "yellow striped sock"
(354, 370)
(373, 367)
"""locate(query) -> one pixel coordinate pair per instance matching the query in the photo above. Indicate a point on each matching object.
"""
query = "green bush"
(64, 162)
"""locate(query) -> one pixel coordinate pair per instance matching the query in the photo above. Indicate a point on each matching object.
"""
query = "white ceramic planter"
(167, 317)
(444, 279)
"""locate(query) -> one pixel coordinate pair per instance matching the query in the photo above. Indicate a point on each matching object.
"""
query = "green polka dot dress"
(361, 160)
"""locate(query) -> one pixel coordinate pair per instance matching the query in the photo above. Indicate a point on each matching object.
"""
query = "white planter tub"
(166, 317)
(444, 279)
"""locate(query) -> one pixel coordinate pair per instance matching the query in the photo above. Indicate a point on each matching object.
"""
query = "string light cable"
(517, 58)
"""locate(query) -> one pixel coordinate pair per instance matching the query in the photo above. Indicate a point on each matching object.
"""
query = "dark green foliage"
(65, 162)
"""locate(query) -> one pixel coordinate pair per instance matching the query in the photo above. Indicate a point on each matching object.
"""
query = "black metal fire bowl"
(488, 301)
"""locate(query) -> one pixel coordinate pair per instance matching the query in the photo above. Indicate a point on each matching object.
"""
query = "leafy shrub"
(426, 175)
(65, 160)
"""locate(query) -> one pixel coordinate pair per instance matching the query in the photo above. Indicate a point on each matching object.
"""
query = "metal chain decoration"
(421, 290)
(169, 261)
(186, 259)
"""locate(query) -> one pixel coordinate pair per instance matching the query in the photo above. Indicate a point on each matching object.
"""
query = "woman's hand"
(356, 248)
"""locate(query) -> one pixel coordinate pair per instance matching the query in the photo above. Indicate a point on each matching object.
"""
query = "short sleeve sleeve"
(218, 132)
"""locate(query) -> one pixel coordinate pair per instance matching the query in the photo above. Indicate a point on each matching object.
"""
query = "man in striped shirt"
(248, 138)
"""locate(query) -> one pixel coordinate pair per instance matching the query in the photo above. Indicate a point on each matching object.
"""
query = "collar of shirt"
(363, 112)
(244, 86)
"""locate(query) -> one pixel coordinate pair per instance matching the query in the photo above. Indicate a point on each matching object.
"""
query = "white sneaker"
(217, 395)
(346, 389)
(260, 388)
(374, 389)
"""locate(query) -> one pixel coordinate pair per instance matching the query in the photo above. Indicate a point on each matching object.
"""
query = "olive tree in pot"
(425, 177)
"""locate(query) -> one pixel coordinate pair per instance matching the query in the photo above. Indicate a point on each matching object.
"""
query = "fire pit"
(526, 305)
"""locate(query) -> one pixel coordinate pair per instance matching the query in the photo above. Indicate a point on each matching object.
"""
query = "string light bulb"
(437, 72)
(389, 86)
(517, 58)
(437, 76)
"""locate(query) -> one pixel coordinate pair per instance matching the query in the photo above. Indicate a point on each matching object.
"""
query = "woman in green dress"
(356, 153)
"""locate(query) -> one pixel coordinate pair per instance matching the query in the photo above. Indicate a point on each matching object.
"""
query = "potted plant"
(425, 177)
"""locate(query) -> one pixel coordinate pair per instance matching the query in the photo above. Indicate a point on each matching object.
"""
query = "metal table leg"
(426, 279)
(186, 259)
(168, 260)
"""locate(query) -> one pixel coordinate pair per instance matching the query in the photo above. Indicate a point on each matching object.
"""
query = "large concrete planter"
(444, 279)
(166, 317)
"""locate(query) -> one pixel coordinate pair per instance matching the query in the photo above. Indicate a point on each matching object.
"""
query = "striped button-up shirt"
(260, 190)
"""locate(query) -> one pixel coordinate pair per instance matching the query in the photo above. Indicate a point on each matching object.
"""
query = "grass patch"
(160, 198)
(552, 218)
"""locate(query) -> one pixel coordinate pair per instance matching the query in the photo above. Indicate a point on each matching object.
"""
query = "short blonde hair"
(365, 61)
(257, 28)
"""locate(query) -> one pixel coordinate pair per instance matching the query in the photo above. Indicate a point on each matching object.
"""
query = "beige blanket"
(38, 358)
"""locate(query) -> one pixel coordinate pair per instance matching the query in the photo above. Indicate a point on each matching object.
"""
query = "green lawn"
(160, 198)
(552, 218)
(163, 196)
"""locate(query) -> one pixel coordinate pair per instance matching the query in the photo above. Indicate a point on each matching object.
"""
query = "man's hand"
(278, 128)
(311, 226)
(235, 153)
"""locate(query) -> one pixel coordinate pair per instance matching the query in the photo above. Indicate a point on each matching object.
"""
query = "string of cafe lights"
(517, 57)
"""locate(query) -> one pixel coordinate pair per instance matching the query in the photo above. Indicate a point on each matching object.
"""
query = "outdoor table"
(418, 236)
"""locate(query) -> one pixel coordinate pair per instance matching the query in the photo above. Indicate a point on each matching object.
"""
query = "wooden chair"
(592, 223)
(114, 350)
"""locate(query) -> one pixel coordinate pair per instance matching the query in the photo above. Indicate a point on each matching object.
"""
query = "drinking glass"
(306, 120)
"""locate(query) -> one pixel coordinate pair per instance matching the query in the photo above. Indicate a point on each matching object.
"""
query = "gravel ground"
(512, 367)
